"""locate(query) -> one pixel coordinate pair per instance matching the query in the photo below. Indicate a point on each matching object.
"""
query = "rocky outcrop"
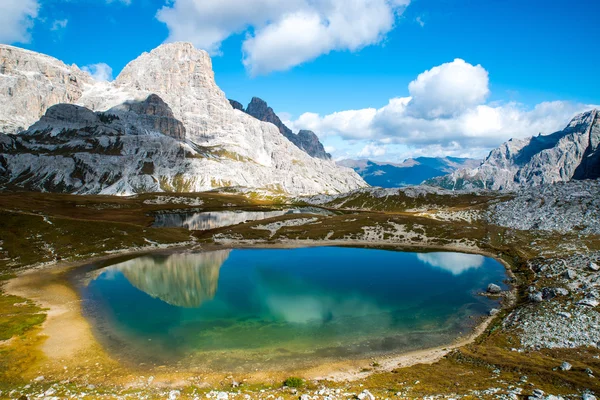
(162, 125)
(153, 114)
(30, 83)
(304, 140)
(570, 154)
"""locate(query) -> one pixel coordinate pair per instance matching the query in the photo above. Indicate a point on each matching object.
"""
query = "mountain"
(412, 171)
(570, 154)
(162, 125)
(305, 140)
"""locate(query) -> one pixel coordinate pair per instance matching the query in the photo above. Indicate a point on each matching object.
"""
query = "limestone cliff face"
(570, 154)
(30, 83)
(162, 125)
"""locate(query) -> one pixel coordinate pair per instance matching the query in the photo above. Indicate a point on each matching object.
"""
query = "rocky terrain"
(305, 140)
(562, 207)
(162, 125)
(412, 171)
(570, 154)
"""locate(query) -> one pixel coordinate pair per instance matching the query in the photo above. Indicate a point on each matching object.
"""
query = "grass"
(293, 382)
(18, 316)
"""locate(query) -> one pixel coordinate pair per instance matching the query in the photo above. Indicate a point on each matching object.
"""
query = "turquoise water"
(251, 307)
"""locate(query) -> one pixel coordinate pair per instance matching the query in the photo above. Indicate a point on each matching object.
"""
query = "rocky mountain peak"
(305, 140)
(569, 154)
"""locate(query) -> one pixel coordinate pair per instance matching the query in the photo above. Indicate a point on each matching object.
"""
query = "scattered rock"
(366, 395)
(565, 314)
(536, 297)
(594, 267)
(222, 396)
(493, 289)
(39, 378)
(588, 396)
(565, 366)
(174, 394)
(538, 393)
(494, 311)
(588, 302)
(569, 274)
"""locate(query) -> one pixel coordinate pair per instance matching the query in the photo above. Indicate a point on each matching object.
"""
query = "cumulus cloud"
(16, 20)
(100, 71)
(446, 113)
(281, 35)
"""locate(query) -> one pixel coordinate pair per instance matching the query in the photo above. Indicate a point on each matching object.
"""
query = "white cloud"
(446, 114)
(448, 90)
(16, 20)
(419, 20)
(372, 150)
(281, 35)
(100, 71)
(455, 263)
(59, 24)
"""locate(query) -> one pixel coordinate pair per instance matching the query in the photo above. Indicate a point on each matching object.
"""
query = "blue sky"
(533, 52)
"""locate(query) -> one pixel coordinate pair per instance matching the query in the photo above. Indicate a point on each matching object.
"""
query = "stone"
(538, 393)
(366, 395)
(589, 302)
(494, 311)
(494, 289)
(593, 266)
(569, 274)
(174, 394)
(588, 396)
(565, 314)
(565, 366)
(39, 378)
(222, 396)
(536, 297)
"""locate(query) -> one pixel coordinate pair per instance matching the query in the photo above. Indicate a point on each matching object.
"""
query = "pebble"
(594, 267)
(565, 314)
(173, 394)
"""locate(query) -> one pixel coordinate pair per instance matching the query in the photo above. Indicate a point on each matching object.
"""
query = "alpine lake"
(256, 309)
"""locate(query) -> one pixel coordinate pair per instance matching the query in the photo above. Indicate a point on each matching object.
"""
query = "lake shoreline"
(63, 307)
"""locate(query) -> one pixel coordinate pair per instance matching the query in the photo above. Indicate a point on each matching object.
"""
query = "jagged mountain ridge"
(305, 140)
(193, 141)
(569, 154)
(412, 171)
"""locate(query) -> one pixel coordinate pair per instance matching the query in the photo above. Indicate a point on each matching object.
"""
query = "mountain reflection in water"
(183, 280)
(201, 221)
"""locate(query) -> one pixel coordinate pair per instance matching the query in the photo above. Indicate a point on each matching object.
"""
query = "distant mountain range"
(412, 171)
(570, 154)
